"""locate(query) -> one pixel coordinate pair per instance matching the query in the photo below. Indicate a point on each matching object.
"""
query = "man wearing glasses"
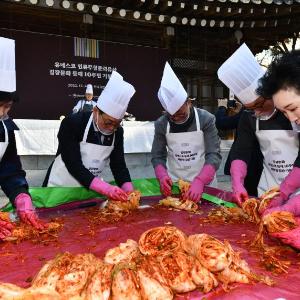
(88, 141)
(186, 143)
(260, 125)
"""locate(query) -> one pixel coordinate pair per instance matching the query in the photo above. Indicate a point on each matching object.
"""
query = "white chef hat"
(171, 93)
(240, 73)
(7, 65)
(89, 89)
(115, 97)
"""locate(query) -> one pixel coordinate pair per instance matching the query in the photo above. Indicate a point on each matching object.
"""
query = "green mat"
(217, 200)
(54, 196)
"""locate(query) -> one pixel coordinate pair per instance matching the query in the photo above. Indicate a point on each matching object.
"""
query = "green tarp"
(54, 196)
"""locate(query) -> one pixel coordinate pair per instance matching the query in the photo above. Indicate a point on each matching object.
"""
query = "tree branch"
(278, 47)
(263, 65)
(261, 61)
(295, 38)
(284, 46)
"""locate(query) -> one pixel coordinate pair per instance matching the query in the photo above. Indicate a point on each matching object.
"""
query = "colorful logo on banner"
(86, 48)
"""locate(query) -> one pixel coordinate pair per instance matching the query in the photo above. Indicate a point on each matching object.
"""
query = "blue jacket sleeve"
(224, 122)
(12, 176)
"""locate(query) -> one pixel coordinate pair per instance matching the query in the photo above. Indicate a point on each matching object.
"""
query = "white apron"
(280, 150)
(3, 145)
(186, 152)
(94, 158)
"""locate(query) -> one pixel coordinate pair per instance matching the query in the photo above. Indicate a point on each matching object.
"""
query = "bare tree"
(281, 46)
(264, 58)
(295, 38)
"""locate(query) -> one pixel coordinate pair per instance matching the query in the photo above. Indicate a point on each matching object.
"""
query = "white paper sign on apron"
(4, 145)
(186, 153)
(280, 150)
(94, 158)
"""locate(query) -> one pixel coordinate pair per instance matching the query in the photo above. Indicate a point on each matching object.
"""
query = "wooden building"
(198, 35)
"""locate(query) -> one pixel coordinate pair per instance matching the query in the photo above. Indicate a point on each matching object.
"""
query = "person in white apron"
(278, 142)
(87, 104)
(186, 143)
(89, 141)
(12, 176)
(281, 83)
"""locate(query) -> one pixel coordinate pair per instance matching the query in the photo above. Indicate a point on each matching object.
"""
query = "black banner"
(52, 72)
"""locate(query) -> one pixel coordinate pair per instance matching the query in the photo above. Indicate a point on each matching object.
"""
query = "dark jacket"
(255, 166)
(70, 135)
(225, 122)
(12, 176)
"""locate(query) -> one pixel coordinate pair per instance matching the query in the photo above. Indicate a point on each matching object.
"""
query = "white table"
(39, 137)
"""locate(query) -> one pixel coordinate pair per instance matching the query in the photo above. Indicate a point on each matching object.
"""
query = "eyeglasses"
(110, 124)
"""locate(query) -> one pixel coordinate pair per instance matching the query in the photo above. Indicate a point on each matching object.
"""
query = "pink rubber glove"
(26, 212)
(292, 206)
(290, 184)
(127, 187)
(110, 191)
(291, 237)
(164, 179)
(238, 171)
(5, 229)
(205, 177)
(275, 202)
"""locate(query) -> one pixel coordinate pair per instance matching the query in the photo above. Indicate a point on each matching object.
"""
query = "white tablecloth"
(138, 136)
(39, 137)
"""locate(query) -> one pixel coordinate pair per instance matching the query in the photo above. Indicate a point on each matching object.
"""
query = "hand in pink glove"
(110, 191)
(292, 206)
(275, 202)
(26, 212)
(291, 237)
(5, 229)
(164, 179)
(205, 177)
(127, 187)
(290, 184)
(238, 171)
